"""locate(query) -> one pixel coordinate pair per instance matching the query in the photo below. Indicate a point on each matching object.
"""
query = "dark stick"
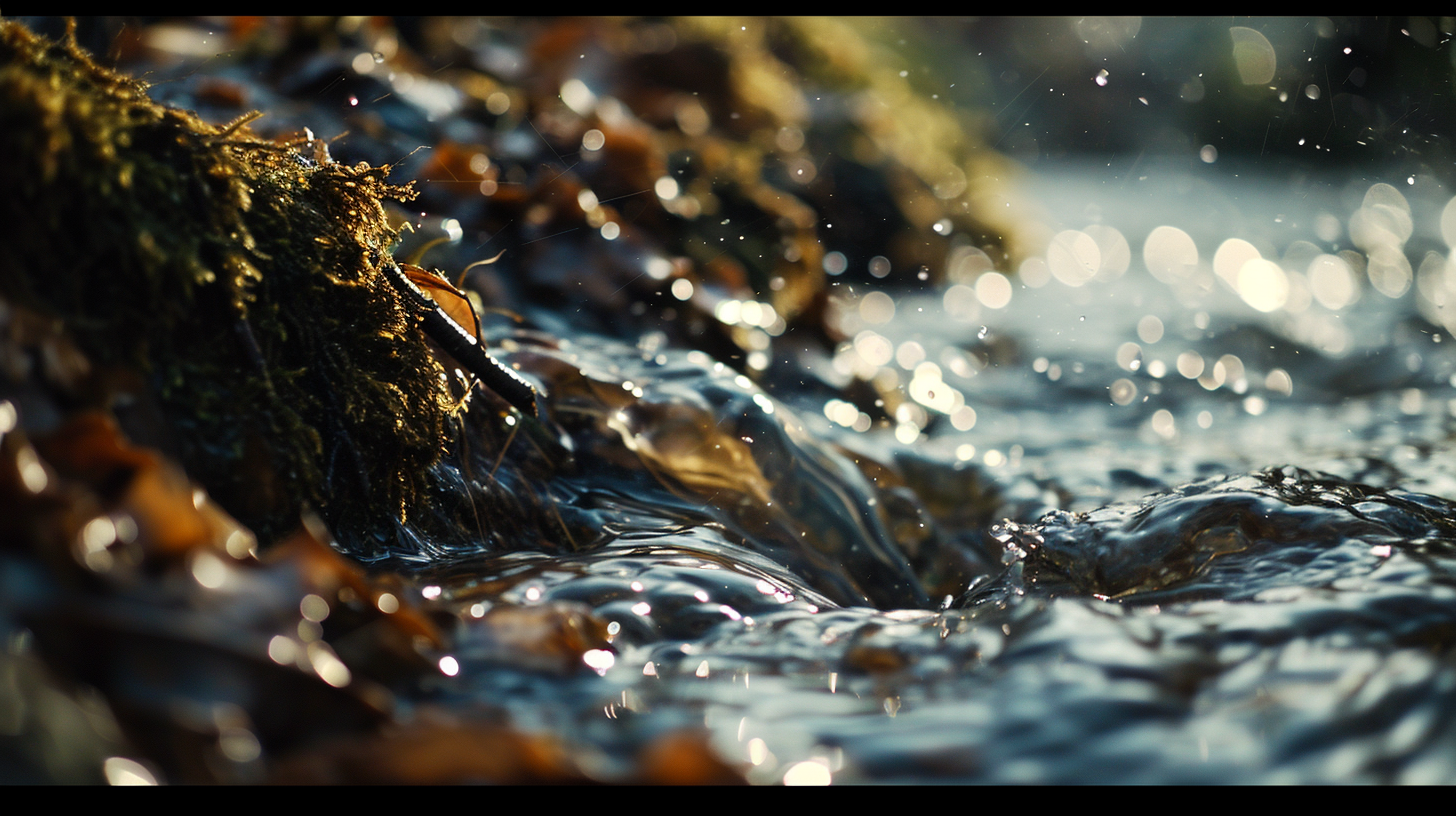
(458, 343)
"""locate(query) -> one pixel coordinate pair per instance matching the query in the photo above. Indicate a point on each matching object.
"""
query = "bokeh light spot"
(1263, 285)
(1253, 56)
(1170, 254)
(1073, 257)
(993, 289)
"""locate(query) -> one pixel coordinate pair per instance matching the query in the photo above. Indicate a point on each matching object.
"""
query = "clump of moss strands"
(239, 275)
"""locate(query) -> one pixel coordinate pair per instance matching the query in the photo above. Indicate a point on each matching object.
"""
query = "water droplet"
(1122, 391)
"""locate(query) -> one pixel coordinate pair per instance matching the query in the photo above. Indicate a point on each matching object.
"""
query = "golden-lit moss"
(239, 274)
(938, 163)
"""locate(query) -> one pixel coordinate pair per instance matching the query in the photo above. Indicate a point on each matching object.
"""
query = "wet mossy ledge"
(240, 277)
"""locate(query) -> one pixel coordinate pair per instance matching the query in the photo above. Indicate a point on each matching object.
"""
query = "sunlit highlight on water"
(877, 308)
(1448, 223)
(909, 354)
(1115, 254)
(906, 433)
(874, 349)
(1230, 257)
(1170, 254)
(993, 289)
(960, 302)
(239, 744)
(1263, 285)
(123, 771)
(282, 650)
(1073, 257)
(1123, 391)
(1279, 382)
(1034, 272)
(578, 96)
(599, 660)
(1163, 424)
(809, 772)
(313, 608)
(1129, 356)
(1389, 271)
(327, 665)
(209, 570)
(1190, 364)
(32, 472)
(1332, 283)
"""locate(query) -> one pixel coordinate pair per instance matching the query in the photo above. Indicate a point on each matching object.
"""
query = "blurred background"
(1267, 94)
(1263, 91)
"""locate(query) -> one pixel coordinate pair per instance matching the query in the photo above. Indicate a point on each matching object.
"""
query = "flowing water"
(1227, 545)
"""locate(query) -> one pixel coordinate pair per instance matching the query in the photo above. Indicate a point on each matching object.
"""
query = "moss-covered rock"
(239, 275)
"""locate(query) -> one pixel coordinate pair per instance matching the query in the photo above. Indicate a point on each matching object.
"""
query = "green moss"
(239, 275)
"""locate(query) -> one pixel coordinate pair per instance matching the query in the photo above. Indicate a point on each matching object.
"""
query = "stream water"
(1227, 546)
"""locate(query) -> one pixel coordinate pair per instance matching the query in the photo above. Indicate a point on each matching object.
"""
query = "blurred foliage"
(1383, 88)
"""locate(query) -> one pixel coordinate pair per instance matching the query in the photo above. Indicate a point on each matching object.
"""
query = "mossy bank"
(238, 276)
